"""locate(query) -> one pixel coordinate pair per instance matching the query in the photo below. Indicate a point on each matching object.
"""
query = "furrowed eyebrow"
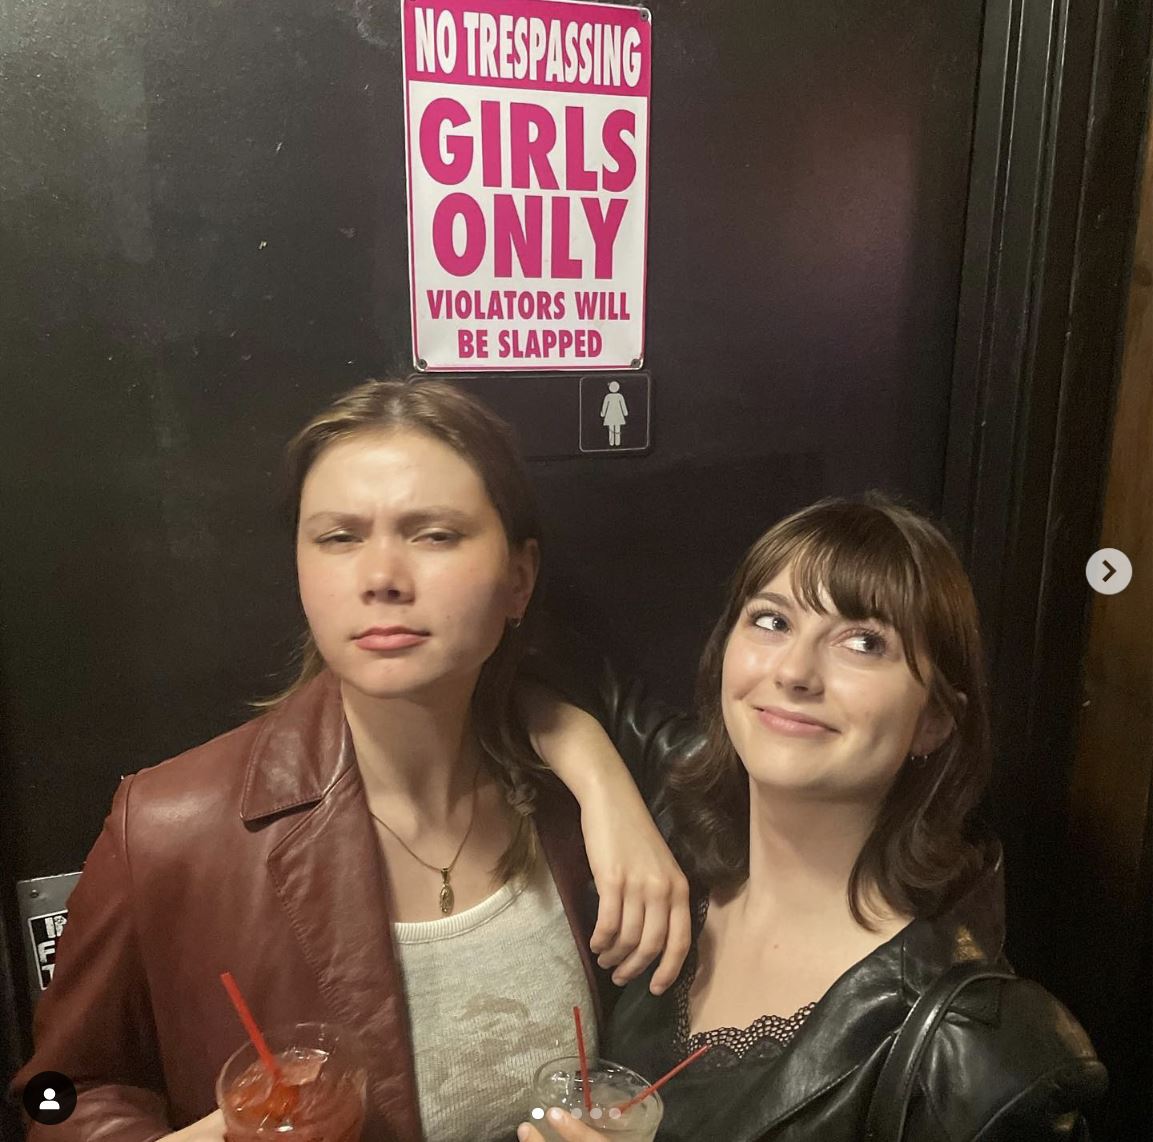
(436, 515)
(342, 518)
(408, 519)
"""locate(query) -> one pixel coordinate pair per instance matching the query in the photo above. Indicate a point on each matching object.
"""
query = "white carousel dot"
(538, 1112)
(615, 1112)
(596, 1112)
(576, 1112)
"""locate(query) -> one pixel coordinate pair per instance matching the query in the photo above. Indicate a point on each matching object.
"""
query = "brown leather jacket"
(252, 853)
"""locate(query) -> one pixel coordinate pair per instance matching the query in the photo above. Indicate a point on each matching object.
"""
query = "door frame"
(1059, 129)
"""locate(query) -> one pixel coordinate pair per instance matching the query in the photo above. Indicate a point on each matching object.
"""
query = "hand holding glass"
(560, 1083)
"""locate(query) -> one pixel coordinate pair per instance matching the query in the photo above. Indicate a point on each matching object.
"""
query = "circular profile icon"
(49, 1098)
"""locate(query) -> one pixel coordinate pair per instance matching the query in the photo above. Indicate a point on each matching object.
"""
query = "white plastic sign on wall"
(527, 136)
(43, 905)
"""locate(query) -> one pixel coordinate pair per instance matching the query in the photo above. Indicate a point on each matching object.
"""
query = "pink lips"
(793, 724)
(390, 638)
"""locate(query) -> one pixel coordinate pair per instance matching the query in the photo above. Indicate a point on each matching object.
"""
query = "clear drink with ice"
(560, 1083)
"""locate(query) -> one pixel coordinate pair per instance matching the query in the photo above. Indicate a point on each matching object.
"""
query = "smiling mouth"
(788, 722)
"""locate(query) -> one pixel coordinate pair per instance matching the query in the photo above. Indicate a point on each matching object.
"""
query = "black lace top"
(719, 1096)
(731, 1042)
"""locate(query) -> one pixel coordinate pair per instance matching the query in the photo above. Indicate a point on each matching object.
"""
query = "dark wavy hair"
(872, 559)
(448, 414)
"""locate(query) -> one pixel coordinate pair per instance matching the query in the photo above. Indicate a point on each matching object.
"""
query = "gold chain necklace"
(447, 896)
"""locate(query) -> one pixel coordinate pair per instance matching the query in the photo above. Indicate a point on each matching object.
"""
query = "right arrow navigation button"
(1109, 571)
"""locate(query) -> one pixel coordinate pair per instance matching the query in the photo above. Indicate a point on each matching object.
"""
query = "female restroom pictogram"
(614, 413)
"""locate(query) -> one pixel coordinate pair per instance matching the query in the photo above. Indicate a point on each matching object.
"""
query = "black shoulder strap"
(890, 1102)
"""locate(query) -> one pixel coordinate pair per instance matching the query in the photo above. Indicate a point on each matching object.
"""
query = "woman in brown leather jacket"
(824, 816)
(382, 848)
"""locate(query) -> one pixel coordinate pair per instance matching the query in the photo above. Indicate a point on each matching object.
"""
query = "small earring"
(515, 622)
(918, 758)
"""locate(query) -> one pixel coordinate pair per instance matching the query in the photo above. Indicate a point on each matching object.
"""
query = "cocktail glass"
(321, 1099)
(560, 1083)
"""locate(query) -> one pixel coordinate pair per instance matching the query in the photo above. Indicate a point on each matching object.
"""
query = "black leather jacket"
(1010, 1063)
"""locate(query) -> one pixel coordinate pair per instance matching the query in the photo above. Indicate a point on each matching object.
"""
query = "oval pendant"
(447, 900)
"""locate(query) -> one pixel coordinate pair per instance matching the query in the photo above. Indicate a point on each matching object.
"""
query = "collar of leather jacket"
(301, 750)
(972, 928)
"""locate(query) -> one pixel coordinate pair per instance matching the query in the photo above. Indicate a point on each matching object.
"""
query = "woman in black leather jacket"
(824, 818)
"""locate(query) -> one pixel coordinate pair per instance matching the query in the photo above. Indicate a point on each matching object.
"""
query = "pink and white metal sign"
(527, 135)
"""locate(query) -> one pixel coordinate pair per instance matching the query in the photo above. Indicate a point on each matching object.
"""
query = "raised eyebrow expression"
(788, 603)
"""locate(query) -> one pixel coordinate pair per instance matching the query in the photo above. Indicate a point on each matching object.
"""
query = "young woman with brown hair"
(382, 848)
(824, 815)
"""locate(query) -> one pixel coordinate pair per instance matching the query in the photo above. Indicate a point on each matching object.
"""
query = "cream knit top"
(490, 995)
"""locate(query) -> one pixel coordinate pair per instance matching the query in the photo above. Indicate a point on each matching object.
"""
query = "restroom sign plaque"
(527, 139)
(616, 413)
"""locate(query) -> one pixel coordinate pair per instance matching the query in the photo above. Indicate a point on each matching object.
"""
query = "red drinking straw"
(576, 1014)
(254, 1033)
(661, 1082)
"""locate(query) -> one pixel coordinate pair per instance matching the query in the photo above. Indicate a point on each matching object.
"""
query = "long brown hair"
(873, 559)
(447, 414)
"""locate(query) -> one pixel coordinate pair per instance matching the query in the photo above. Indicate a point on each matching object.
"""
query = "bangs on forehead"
(867, 575)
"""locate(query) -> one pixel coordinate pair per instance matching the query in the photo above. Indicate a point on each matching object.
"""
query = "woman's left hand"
(644, 896)
(564, 1124)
